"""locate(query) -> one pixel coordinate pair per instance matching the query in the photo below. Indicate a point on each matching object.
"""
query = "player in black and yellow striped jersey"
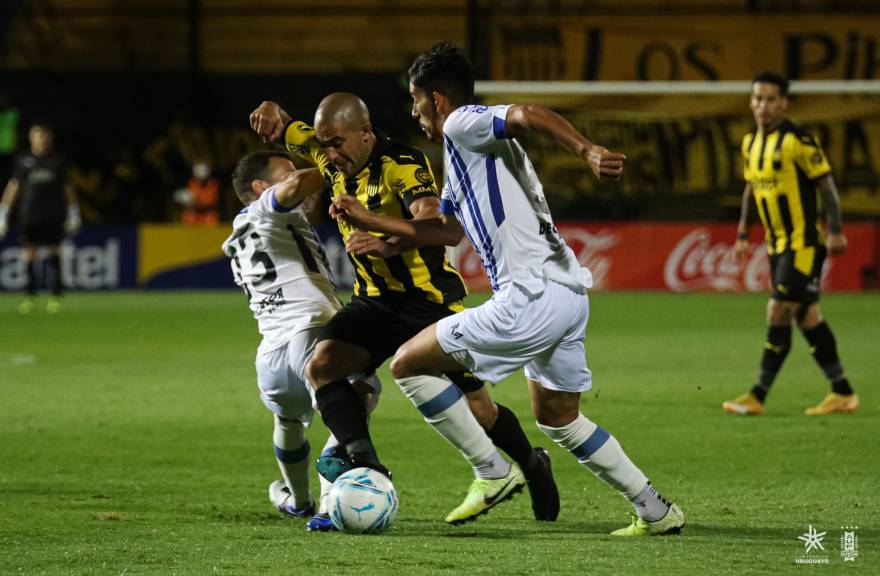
(789, 177)
(400, 289)
(393, 178)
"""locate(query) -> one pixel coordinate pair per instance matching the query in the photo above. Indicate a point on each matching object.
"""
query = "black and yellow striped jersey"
(782, 167)
(394, 177)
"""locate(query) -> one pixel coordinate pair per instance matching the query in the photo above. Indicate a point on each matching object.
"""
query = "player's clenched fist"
(268, 121)
(349, 209)
(604, 164)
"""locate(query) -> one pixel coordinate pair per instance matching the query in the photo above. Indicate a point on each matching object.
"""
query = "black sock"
(775, 350)
(31, 271)
(823, 347)
(508, 435)
(344, 414)
(53, 274)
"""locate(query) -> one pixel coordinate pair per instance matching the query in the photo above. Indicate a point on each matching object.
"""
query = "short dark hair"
(444, 69)
(254, 166)
(769, 77)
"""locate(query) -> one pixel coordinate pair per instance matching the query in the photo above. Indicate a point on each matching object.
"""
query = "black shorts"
(796, 273)
(381, 324)
(41, 233)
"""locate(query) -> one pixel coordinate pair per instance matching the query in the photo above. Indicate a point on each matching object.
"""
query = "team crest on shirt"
(817, 158)
(423, 176)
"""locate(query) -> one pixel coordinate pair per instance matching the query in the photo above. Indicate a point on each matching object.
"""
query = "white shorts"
(281, 377)
(544, 333)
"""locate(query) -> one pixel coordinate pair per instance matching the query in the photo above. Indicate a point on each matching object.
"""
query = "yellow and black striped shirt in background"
(782, 168)
(394, 177)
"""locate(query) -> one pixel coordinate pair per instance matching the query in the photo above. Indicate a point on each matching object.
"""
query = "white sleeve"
(477, 128)
(267, 205)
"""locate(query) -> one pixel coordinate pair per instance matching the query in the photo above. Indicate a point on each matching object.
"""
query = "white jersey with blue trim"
(278, 261)
(494, 192)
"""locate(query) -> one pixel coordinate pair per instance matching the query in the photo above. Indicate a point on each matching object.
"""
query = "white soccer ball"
(362, 500)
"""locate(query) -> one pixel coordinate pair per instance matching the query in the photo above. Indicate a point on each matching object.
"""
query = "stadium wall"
(678, 257)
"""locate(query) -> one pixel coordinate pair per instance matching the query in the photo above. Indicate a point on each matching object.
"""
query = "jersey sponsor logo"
(422, 190)
(547, 228)
(298, 149)
(270, 303)
(423, 176)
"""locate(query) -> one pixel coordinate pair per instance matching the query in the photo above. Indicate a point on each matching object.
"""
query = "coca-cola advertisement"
(689, 257)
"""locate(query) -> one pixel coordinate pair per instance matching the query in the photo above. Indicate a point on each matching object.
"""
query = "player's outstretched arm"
(836, 241)
(532, 118)
(298, 186)
(437, 230)
(268, 121)
(746, 217)
(9, 195)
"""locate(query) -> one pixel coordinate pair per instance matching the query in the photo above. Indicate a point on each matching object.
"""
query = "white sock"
(292, 452)
(446, 410)
(601, 453)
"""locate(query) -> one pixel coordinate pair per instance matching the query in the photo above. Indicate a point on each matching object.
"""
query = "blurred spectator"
(201, 197)
(8, 135)
(47, 208)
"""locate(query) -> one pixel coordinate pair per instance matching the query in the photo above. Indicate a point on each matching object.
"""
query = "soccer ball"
(362, 500)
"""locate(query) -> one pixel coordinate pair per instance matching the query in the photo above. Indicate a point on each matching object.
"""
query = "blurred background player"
(201, 197)
(786, 170)
(538, 313)
(399, 290)
(47, 209)
(279, 263)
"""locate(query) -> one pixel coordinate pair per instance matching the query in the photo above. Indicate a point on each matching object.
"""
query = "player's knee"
(810, 317)
(779, 313)
(556, 409)
(400, 366)
(319, 369)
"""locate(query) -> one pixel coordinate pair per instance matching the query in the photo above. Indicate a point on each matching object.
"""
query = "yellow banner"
(685, 150)
(720, 47)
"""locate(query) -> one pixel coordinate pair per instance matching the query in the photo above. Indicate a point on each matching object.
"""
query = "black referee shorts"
(381, 324)
(41, 233)
(796, 273)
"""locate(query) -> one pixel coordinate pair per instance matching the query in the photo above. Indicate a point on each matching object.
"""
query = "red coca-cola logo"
(698, 263)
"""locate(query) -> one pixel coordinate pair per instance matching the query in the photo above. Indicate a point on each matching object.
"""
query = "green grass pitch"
(132, 441)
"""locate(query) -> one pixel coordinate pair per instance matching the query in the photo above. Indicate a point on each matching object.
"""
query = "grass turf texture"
(132, 441)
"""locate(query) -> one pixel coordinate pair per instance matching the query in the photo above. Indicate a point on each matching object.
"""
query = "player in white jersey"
(278, 261)
(538, 313)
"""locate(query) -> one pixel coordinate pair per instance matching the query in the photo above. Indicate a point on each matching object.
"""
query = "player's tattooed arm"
(532, 118)
(746, 217)
(435, 230)
(836, 241)
(298, 186)
(269, 120)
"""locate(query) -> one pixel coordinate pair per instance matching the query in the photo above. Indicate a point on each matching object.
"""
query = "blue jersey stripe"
(494, 190)
(279, 207)
(474, 210)
(447, 206)
(458, 213)
(499, 128)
